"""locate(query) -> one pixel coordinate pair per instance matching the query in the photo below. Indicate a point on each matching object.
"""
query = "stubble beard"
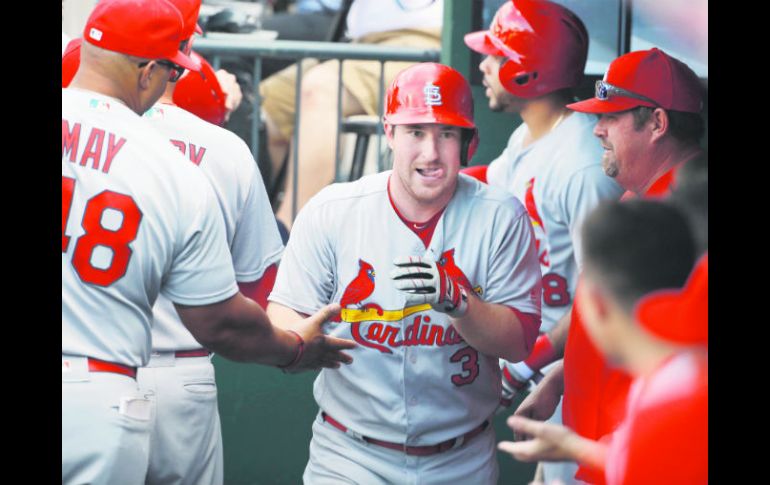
(609, 165)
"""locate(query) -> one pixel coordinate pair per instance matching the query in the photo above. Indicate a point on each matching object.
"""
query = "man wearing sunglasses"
(535, 56)
(650, 125)
(139, 220)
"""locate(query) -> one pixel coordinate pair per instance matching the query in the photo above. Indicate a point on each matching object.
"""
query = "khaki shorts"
(360, 78)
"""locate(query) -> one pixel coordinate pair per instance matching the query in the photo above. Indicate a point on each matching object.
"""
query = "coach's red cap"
(189, 10)
(151, 29)
(645, 78)
(679, 316)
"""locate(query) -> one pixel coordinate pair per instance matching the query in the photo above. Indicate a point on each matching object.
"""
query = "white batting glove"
(424, 281)
(513, 383)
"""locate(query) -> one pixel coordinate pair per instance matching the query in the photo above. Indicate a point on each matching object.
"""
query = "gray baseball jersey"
(252, 233)
(137, 220)
(559, 178)
(186, 440)
(414, 379)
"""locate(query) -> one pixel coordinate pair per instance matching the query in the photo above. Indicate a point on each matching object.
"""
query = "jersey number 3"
(115, 239)
(470, 359)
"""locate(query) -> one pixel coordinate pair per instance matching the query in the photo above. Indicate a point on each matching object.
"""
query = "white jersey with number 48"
(137, 220)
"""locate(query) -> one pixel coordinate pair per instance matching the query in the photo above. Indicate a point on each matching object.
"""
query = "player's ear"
(146, 74)
(389, 134)
(660, 123)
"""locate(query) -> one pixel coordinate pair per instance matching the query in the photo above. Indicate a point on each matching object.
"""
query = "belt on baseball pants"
(414, 450)
(96, 365)
(172, 358)
(192, 353)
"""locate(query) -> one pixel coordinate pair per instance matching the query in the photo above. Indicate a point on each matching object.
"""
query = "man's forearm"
(492, 329)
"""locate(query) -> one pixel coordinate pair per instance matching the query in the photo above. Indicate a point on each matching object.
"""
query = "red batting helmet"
(544, 43)
(70, 61)
(200, 93)
(433, 93)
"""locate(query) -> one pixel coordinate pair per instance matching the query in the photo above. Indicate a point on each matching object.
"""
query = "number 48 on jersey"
(96, 235)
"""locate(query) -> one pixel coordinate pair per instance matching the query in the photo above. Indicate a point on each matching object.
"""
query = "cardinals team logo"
(360, 289)
(447, 262)
(432, 95)
(537, 224)
(382, 332)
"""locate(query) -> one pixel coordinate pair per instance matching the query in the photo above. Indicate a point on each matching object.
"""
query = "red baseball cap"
(151, 29)
(645, 78)
(189, 10)
(680, 316)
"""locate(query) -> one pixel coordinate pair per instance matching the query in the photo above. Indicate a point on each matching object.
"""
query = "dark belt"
(413, 450)
(96, 365)
(192, 353)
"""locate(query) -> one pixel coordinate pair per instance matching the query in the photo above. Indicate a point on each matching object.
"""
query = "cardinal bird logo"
(537, 223)
(361, 287)
(447, 262)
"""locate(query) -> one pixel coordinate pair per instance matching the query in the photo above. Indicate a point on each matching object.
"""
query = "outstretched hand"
(548, 441)
(321, 351)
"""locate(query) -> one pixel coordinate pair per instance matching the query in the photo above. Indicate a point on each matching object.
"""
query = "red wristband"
(300, 351)
(542, 355)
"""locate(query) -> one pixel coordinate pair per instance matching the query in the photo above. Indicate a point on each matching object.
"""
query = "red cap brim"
(181, 59)
(612, 105)
(479, 42)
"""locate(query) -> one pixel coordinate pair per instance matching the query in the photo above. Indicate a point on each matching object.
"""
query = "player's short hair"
(634, 247)
(688, 128)
(690, 195)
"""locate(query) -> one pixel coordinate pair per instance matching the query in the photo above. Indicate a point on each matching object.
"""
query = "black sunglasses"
(176, 70)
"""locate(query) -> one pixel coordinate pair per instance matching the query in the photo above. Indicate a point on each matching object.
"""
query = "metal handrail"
(215, 48)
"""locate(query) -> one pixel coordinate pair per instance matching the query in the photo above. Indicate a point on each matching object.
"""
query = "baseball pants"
(105, 426)
(338, 458)
(185, 438)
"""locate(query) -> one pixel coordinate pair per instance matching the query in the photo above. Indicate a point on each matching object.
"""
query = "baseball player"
(535, 55)
(649, 126)
(186, 438)
(186, 443)
(438, 277)
(632, 248)
(137, 220)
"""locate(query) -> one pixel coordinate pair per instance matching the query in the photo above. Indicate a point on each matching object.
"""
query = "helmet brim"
(428, 117)
(481, 43)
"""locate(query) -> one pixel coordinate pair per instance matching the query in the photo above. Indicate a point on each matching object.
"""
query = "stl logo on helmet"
(432, 95)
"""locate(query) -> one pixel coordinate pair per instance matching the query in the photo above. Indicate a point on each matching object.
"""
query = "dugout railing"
(239, 46)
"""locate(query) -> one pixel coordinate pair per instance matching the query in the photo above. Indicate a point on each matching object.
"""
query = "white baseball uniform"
(413, 380)
(560, 180)
(186, 439)
(137, 220)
